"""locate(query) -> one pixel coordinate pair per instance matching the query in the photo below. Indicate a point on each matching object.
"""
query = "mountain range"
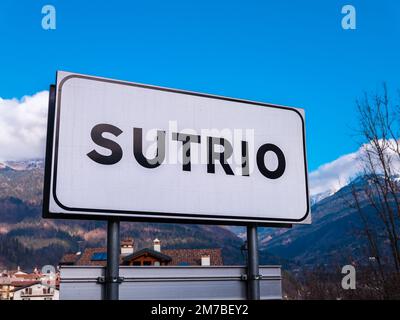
(28, 240)
(337, 234)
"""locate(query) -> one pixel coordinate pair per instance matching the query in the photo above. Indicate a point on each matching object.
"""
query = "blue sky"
(284, 52)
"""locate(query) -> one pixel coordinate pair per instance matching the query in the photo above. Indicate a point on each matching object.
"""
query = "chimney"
(157, 245)
(127, 246)
(205, 260)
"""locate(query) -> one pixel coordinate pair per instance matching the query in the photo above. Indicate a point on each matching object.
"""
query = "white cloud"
(23, 127)
(336, 174)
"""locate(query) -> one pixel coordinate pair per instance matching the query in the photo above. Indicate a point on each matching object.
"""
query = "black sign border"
(105, 214)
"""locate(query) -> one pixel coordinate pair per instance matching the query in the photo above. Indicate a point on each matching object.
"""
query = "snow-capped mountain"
(23, 165)
(321, 196)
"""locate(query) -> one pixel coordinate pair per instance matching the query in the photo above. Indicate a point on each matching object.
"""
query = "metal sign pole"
(112, 279)
(253, 274)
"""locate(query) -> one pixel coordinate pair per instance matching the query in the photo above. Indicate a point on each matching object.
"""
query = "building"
(147, 256)
(13, 281)
(36, 291)
(6, 288)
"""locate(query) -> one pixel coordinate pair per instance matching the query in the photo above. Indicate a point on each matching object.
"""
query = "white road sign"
(135, 151)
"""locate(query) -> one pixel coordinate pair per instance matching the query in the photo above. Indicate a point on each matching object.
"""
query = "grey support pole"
(253, 277)
(112, 279)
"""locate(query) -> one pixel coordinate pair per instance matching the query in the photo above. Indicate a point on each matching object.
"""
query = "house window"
(157, 263)
(147, 263)
(46, 290)
(136, 263)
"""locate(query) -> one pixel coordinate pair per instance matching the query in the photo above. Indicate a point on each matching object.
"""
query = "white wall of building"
(37, 292)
